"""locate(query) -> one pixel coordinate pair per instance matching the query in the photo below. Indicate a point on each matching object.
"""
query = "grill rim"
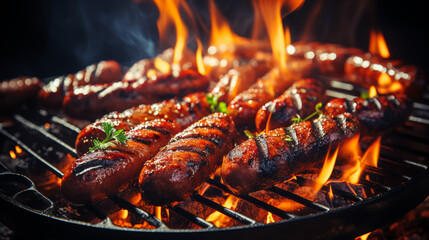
(390, 198)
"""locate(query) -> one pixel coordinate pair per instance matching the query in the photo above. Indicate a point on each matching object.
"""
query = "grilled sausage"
(187, 161)
(327, 59)
(376, 115)
(95, 100)
(300, 99)
(184, 111)
(388, 75)
(15, 91)
(279, 154)
(244, 106)
(101, 173)
(53, 93)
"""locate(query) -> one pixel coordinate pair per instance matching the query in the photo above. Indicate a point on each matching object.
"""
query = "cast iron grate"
(403, 163)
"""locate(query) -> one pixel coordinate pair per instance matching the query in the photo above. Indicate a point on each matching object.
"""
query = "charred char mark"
(296, 98)
(267, 166)
(394, 100)
(223, 130)
(341, 123)
(292, 133)
(157, 129)
(375, 102)
(215, 141)
(318, 129)
(350, 106)
(141, 140)
(93, 165)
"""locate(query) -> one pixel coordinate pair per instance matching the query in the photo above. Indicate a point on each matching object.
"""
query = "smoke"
(83, 32)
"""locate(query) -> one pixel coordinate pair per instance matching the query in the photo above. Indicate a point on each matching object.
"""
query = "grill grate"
(403, 158)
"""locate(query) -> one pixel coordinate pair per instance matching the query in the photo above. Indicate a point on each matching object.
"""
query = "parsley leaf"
(215, 105)
(318, 112)
(111, 135)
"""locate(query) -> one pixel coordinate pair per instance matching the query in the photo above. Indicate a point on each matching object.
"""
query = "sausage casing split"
(187, 161)
(279, 154)
(300, 99)
(101, 173)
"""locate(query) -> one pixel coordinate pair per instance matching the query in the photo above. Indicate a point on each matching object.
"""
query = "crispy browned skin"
(101, 173)
(366, 69)
(187, 161)
(300, 99)
(104, 72)
(184, 111)
(16, 91)
(95, 100)
(326, 58)
(376, 115)
(270, 158)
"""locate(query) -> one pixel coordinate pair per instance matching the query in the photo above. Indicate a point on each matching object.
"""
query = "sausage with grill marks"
(279, 154)
(299, 99)
(376, 115)
(187, 161)
(184, 111)
(101, 173)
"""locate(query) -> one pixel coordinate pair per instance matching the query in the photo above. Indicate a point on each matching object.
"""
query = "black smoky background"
(46, 38)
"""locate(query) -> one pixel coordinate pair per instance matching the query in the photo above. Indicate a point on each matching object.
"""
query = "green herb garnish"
(215, 105)
(285, 137)
(318, 112)
(364, 95)
(111, 135)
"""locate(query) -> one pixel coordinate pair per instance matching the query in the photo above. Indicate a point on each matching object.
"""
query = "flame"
(221, 34)
(18, 150)
(199, 58)
(377, 44)
(123, 213)
(270, 218)
(169, 13)
(47, 125)
(218, 218)
(363, 237)
(328, 167)
(350, 150)
(372, 92)
(384, 80)
(272, 17)
(370, 157)
(158, 212)
(371, 154)
(161, 65)
(330, 193)
(12, 154)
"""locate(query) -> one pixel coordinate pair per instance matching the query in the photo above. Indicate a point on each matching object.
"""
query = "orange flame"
(218, 218)
(363, 237)
(221, 33)
(12, 154)
(272, 17)
(372, 92)
(328, 167)
(377, 44)
(199, 58)
(270, 218)
(370, 157)
(18, 150)
(169, 13)
(350, 150)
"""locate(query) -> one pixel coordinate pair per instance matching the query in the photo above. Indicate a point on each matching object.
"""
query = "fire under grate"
(37, 145)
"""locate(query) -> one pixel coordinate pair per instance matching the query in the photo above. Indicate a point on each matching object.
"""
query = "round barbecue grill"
(29, 206)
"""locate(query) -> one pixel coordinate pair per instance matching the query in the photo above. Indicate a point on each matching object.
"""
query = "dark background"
(46, 38)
